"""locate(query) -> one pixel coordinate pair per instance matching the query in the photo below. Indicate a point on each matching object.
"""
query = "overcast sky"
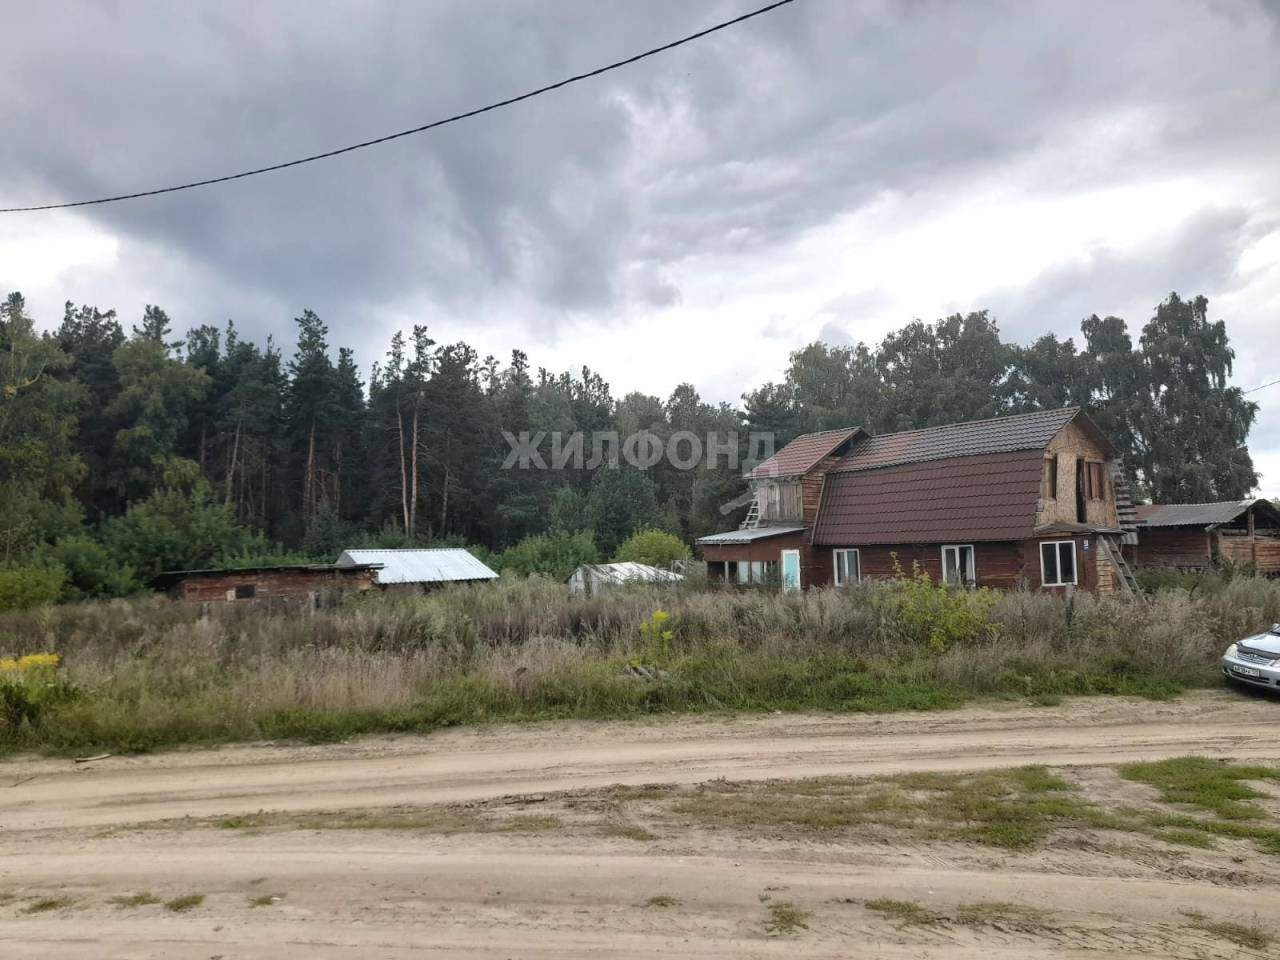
(832, 170)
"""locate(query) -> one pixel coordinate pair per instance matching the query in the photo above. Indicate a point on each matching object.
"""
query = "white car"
(1255, 660)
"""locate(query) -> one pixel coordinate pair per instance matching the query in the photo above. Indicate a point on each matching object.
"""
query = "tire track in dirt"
(477, 765)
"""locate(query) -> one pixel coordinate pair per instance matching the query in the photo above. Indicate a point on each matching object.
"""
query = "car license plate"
(1246, 672)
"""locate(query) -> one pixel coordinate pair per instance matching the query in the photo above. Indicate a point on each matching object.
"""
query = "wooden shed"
(306, 585)
(1197, 536)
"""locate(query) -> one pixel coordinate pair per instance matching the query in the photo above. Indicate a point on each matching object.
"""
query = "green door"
(790, 570)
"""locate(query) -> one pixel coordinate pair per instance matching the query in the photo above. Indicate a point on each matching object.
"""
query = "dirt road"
(483, 763)
(75, 837)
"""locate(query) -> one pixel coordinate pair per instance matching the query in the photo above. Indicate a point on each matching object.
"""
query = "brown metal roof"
(1196, 514)
(803, 453)
(992, 496)
(1025, 431)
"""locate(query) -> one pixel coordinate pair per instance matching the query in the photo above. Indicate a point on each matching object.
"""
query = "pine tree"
(157, 394)
(310, 408)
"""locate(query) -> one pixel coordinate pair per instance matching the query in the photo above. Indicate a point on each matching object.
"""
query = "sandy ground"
(86, 834)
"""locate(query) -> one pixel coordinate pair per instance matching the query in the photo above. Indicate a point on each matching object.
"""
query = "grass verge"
(145, 674)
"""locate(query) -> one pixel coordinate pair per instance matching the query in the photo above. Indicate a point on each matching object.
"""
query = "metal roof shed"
(420, 566)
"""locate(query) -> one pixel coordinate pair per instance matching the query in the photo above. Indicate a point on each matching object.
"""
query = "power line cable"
(1269, 383)
(724, 25)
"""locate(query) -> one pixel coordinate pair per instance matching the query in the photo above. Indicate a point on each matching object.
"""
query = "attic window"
(1051, 468)
(1095, 481)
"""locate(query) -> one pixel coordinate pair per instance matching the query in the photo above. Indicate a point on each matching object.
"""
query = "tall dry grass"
(150, 671)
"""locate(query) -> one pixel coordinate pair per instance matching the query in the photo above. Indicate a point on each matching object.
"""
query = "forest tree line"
(123, 453)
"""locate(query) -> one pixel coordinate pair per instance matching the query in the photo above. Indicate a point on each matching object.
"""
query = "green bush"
(27, 685)
(554, 555)
(23, 587)
(939, 616)
(178, 529)
(654, 547)
(92, 573)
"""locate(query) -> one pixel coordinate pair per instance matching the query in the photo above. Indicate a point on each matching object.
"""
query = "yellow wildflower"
(31, 662)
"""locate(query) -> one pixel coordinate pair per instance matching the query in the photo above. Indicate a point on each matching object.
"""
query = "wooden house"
(1026, 499)
(1197, 536)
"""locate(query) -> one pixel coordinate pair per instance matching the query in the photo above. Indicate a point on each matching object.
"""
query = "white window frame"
(835, 565)
(1075, 563)
(973, 554)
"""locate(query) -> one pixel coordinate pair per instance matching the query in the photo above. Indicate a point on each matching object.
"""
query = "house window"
(1095, 480)
(757, 571)
(245, 591)
(1051, 468)
(1058, 563)
(847, 565)
(957, 565)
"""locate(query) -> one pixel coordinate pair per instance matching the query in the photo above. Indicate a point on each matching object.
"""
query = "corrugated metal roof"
(1024, 431)
(803, 453)
(626, 571)
(439, 565)
(1191, 514)
(747, 536)
(959, 500)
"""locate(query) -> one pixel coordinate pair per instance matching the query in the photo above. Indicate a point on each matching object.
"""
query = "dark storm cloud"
(579, 201)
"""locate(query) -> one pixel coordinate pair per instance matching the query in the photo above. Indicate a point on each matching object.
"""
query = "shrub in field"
(931, 614)
(91, 571)
(23, 587)
(27, 685)
(656, 637)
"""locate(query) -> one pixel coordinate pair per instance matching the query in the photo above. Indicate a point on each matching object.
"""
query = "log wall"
(1184, 548)
(294, 585)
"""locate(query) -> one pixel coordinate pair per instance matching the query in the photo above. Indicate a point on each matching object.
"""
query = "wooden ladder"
(1121, 566)
(752, 520)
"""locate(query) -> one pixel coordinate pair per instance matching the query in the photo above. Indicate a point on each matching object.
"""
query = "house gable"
(804, 453)
(1077, 486)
